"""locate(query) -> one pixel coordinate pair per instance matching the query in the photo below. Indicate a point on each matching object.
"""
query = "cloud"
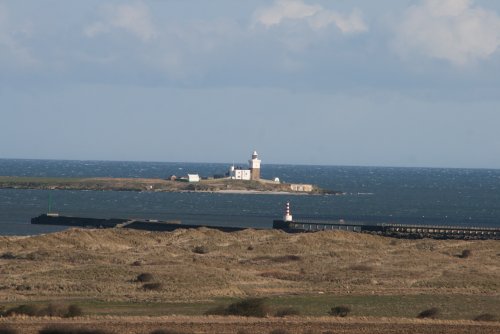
(457, 31)
(315, 16)
(12, 51)
(133, 18)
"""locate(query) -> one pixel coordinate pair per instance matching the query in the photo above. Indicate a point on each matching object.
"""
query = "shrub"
(200, 250)
(144, 277)
(429, 313)
(485, 317)
(74, 311)
(51, 310)
(340, 311)
(465, 254)
(286, 311)
(29, 310)
(249, 307)
(152, 286)
(23, 287)
(250, 248)
(70, 330)
(8, 256)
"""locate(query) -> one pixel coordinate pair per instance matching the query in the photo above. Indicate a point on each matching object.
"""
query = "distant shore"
(225, 186)
(257, 192)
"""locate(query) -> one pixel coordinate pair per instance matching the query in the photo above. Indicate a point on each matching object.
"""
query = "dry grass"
(96, 264)
(152, 286)
(231, 325)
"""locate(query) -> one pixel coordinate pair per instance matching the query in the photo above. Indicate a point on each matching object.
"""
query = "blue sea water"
(468, 197)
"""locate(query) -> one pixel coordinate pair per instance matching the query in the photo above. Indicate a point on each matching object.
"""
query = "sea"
(432, 196)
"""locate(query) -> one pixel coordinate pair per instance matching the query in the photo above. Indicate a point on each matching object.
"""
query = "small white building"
(237, 173)
(301, 187)
(193, 178)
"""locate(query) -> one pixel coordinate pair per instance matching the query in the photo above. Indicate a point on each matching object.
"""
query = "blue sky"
(386, 83)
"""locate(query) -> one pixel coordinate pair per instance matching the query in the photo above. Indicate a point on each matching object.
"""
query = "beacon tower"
(287, 217)
(254, 166)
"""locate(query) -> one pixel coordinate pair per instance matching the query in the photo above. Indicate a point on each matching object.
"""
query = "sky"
(409, 83)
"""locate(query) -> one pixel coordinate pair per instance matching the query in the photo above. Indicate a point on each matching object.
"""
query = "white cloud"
(453, 30)
(133, 18)
(315, 16)
(13, 51)
(284, 9)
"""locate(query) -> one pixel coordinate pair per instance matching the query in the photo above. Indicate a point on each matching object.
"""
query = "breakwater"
(137, 224)
(388, 230)
(408, 231)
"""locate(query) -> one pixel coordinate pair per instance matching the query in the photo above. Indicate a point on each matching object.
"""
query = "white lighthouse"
(255, 166)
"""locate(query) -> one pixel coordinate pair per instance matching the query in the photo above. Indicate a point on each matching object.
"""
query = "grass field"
(377, 278)
(451, 307)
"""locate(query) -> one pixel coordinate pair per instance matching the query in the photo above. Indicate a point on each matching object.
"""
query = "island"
(235, 180)
(223, 185)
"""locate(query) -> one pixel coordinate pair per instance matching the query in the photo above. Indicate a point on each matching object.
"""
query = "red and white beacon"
(288, 216)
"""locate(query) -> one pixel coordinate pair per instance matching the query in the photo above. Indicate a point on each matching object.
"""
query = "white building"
(193, 178)
(252, 173)
(237, 173)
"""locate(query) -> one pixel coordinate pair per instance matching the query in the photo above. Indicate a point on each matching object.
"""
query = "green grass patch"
(93, 307)
(38, 180)
(451, 306)
(405, 306)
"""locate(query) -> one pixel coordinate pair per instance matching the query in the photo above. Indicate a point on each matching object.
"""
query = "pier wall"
(393, 230)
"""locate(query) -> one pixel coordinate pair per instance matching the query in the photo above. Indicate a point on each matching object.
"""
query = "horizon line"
(272, 163)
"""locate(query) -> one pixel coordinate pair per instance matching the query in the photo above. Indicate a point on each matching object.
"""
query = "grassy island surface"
(159, 185)
(128, 281)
